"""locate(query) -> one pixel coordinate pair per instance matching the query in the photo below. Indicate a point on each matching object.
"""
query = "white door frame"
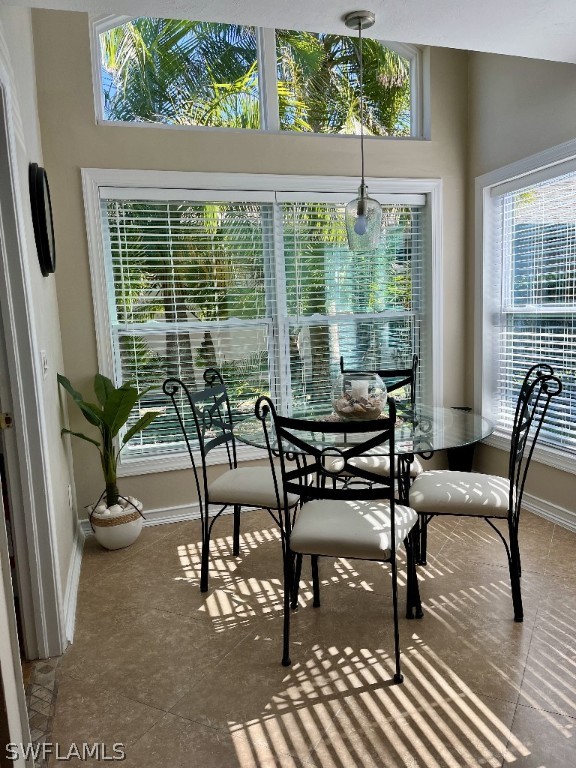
(17, 715)
(27, 449)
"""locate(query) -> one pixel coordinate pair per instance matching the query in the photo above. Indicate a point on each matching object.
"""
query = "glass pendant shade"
(363, 217)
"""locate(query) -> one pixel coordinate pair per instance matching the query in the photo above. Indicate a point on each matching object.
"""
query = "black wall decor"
(42, 218)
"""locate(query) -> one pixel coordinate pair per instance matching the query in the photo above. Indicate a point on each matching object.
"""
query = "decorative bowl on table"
(360, 395)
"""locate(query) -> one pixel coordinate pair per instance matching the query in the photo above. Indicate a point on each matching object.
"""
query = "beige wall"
(72, 140)
(518, 107)
(16, 29)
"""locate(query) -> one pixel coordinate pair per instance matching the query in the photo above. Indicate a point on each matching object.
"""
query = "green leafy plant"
(109, 415)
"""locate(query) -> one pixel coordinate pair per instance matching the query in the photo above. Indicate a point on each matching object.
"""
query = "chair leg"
(423, 539)
(236, 535)
(204, 563)
(315, 581)
(413, 603)
(516, 593)
(514, 566)
(288, 583)
(409, 578)
(398, 678)
(296, 582)
(517, 555)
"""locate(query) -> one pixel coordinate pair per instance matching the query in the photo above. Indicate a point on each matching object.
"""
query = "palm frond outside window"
(194, 73)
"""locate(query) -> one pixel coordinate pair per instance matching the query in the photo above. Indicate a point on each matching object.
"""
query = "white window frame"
(188, 183)
(548, 164)
(266, 47)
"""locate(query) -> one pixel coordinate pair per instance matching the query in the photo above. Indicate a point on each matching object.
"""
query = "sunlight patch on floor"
(340, 702)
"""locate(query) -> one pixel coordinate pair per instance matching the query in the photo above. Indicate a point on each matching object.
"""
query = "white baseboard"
(172, 514)
(72, 583)
(559, 515)
(159, 516)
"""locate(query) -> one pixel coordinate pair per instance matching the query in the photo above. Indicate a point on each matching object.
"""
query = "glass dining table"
(421, 430)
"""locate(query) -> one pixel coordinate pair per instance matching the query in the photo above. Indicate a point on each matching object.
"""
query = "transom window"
(258, 283)
(192, 73)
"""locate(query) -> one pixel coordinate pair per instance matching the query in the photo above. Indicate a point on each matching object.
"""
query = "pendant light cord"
(361, 101)
(363, 215)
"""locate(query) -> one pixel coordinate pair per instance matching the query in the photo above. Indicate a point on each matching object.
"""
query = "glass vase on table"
(358, 396)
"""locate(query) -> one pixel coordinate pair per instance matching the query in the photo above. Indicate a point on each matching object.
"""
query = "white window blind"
(189, 288)
(265, 291)
(366, 308)
(535, 276)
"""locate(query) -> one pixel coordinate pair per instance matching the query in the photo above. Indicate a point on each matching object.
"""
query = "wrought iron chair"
(447, 492)
(395, 379)
(363, 523)
(208, 416)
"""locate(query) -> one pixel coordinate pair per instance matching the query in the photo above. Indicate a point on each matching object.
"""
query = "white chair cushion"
(356, 529)
(446, 492)
(247, 486)
(380, 465)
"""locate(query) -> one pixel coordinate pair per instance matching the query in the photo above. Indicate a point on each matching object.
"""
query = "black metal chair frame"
(540, 385)
(214, 417)
(311, 463)
(396, 378)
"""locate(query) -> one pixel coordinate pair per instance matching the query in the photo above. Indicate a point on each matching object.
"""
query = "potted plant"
(116, 520)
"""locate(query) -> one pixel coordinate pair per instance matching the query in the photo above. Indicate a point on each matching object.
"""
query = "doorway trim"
(10, 669)
(30, 490)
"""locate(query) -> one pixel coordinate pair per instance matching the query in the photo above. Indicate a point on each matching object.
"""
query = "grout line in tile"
(522, 679)
(147, 731)
(113, 690)
(213, 669)
(547, 710)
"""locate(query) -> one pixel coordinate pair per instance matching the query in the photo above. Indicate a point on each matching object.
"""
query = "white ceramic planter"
(118, 526)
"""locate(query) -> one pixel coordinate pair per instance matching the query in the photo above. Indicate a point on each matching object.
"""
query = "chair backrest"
(211, 424)
(306, 463)
(540, 385)
(394, 378)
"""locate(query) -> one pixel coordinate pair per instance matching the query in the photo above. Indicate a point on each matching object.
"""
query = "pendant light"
(363, 215)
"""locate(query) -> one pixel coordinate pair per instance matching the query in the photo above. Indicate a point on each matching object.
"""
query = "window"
(258, 282)
(530, 294)
(191, 73)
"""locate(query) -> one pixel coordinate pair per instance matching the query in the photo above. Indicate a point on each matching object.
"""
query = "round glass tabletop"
(428, 428)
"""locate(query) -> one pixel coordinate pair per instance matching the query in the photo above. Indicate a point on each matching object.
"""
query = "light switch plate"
(44, 361)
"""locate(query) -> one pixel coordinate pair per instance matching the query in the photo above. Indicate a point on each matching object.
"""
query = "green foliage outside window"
(206, 74)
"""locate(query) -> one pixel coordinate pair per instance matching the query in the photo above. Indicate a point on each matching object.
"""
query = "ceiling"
(539, 29)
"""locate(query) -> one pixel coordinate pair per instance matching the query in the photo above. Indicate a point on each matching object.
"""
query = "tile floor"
(41, 695)
(182, 679)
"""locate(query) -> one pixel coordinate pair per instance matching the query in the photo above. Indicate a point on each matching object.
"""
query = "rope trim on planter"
(107, 522)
